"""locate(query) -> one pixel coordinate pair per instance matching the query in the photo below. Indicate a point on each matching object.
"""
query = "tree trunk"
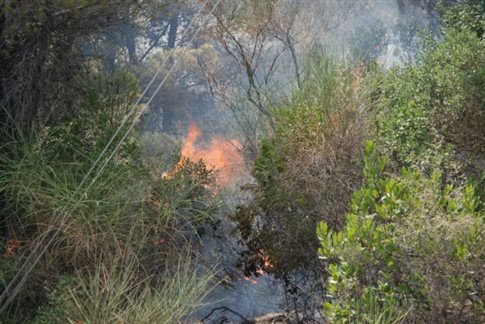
(131, 45)
(172, 32)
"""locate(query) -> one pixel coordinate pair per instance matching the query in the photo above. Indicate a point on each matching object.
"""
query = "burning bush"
(222, 156)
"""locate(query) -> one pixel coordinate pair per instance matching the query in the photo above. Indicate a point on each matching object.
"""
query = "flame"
(221, 155)
(266, 260)
(251, 280)
(267, 266)
(12, 246)
(260, 272)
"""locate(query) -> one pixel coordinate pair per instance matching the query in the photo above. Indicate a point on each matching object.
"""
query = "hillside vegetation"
(368, 199)
(389, 167)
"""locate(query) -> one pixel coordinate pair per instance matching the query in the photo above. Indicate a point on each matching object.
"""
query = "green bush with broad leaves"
(465, 14)
(412, 247)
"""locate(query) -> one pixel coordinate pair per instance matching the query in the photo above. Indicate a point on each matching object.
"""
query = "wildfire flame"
(251, 280)
(267, 266)
(261, 270)
(221, 155)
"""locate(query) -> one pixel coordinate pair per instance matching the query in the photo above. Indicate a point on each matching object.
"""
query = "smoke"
(206, 106)
(210, 86)
(382, 30)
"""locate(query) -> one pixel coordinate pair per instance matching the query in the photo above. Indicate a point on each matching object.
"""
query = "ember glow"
(221, 155)
(267, 266)
(265, 259)
(250, 280)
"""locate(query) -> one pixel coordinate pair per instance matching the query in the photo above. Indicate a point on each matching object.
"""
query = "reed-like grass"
(122, 238)
(119, 293)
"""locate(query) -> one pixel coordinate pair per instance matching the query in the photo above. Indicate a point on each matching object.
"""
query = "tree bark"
(172, 32)
(131, 45)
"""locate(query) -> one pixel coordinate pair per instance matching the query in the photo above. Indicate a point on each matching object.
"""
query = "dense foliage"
(401, 227)
(124, 219)
(309, 167)
(424, 111)
(388, 165)
(92, 231)
(411, 245)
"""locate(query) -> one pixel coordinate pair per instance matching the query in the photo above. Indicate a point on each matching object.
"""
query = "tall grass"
(129, 213)
(120, 294)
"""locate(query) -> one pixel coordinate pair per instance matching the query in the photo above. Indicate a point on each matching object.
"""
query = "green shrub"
(308, 168)
(465, 14)
(426, 112)
(125, 209)
(412, 244)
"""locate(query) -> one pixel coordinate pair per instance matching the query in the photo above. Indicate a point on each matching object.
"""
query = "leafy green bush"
(425, 112)
(411, 244)
(465, 14)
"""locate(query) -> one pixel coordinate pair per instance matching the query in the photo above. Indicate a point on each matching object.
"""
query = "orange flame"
(221, 155)
(12, 246)
(251, 280)
(267, 266)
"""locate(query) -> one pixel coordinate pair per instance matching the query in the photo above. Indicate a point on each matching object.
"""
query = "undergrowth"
(400, 227)
(117, 244)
